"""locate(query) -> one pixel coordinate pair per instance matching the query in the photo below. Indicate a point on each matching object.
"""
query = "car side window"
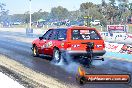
(54, 35)
(62, 34)
(94, 35)
(47, 34)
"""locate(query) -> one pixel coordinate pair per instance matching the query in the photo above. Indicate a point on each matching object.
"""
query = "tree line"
(113, 12)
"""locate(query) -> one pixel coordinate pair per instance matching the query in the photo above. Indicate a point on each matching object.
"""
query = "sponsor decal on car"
(62, 44)
(49, 44)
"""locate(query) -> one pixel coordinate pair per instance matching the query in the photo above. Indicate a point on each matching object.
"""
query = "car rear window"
(83, 34)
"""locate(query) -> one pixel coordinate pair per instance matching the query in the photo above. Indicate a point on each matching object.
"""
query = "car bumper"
(85, 53)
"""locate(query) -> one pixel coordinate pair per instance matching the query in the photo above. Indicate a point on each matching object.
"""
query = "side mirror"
(40, 38)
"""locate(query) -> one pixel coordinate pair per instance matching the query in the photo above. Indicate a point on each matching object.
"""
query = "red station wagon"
(73, 40)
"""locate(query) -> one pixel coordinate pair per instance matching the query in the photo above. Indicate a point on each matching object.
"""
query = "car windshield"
(85, 35)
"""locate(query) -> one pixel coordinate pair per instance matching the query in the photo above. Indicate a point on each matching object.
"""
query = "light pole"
(30, 14)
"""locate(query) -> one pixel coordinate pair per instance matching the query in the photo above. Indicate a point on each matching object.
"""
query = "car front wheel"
(35, 51)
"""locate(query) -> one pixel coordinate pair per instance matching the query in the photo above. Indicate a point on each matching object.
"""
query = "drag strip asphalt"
(21, 52)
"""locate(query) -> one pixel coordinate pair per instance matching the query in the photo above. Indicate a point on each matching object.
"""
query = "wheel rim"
(34, 51)
(56, 55)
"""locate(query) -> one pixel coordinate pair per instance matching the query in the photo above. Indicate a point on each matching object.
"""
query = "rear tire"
(35, 51)
(56, 55)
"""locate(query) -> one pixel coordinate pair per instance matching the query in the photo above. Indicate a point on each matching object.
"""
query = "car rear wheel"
(35, 51)
(56, 55)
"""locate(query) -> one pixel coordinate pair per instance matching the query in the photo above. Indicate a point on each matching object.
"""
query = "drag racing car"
(76, 41)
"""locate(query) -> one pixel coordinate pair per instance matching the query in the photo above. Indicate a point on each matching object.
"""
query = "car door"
(50, 43)
(61, 38)
(56, 39)
(43, 42)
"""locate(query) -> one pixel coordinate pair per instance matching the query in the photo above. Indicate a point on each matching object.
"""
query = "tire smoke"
(68, 64)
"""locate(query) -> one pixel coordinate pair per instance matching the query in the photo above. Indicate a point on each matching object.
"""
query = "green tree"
(112, 3)
(124, 9)
(122, 0)
(59, 13)
(2, 8)
(90, 9)
(3, 12)
(85, 8)
(103, 3)
(74, 15)
(40, 15)
(86, 5)
(130, 7)
(110, 12)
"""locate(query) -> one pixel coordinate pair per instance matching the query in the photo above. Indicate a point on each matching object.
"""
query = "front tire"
(35, 51)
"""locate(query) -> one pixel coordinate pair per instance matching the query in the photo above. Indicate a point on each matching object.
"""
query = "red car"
(73, 40)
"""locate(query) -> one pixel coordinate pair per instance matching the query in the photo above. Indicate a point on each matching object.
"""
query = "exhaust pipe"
(99, 59)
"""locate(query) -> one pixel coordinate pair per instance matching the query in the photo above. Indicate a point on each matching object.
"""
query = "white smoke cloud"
(69, 66)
